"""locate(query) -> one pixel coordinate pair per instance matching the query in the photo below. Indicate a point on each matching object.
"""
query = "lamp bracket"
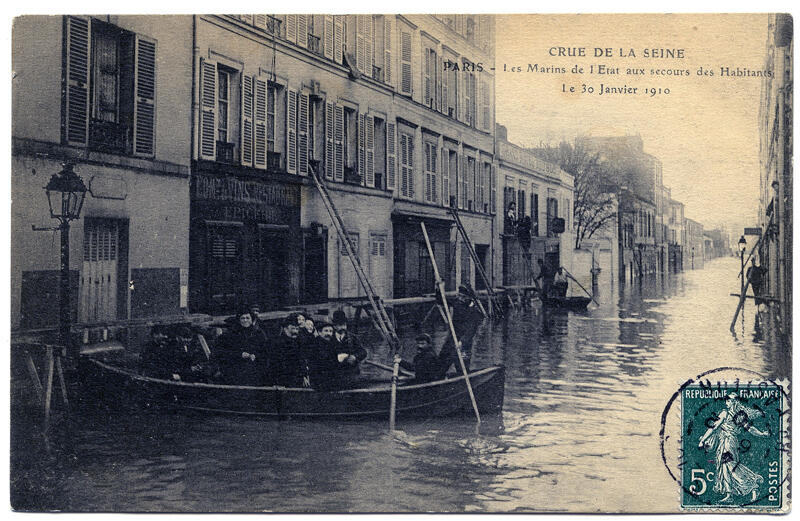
(44, 228)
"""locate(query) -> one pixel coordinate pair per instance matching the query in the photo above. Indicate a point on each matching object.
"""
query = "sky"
(705, 131)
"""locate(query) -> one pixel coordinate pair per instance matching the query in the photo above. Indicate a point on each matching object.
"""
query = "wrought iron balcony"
(314, 44)
(225, 152)
(107, 136)
(273, 160)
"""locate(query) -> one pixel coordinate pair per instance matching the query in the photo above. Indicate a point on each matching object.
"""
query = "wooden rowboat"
(567, 303)
(432, 399)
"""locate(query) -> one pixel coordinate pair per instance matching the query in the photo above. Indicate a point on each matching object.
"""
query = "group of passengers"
(302, 354)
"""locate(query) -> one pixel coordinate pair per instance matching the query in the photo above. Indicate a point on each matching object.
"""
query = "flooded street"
(583, 402)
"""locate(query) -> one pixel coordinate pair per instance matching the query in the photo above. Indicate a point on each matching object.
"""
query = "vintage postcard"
(343, 263)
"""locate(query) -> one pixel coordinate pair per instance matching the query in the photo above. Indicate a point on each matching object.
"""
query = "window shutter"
(76, 117)
(426, 79)
(330, 154)
(467, 100)
(338, 36)
(391, 158)
(144, 110)
(403, 139)
(438, 68)
(260, 21)
(465, 182)
(487, 115)
(247, 18)
(369, 42)
(445, 82)
(327, 40)
(493, 190)
(405, 62)
(260, 122)
(445, 178)
(370, 150)
(208, 110)
(338, 142)
(362, 166)
(388, 34)
(247, 120)
(302, 30)
(291, 27)
(361, 44)
(291, 131)
(302, 134)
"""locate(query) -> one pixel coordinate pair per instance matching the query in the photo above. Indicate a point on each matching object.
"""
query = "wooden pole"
(48, 390)
(456, 343)
(742, 299)
(393, 400)
(61, 381)
(388, 367)
(34, 374)
(581, 285)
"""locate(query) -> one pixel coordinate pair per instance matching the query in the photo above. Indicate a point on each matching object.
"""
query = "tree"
(595, 194)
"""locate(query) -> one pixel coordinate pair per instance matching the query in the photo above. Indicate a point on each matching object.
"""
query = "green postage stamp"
(734, 446)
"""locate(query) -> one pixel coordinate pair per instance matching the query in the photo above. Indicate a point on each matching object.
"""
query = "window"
(379, 160)
(450, 91)
(223, 80)
(488, 184)
(453, 176)
(431, 193)
(431, 77)
(109, 88)
(472, 181)
(406, 164)
(350, 146)
(535, 214)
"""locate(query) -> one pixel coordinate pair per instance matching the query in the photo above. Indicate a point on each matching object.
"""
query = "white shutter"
(445, 178)
(361, 44)
(260, 21)
(487, 105)
(426, 76)
(493, 190)
(338, 142)
(391, 157)
(370, 150)
(208, 110)
(76, 99)
(302, 30)
(144, 110)
(246, 145)
(260, 122)
(327, 37)
(362, 166)
(302, 134)
(291, 131)
(388, 40)
(291, 27)
(405, 62)
(445, 82)
(369, 42)
(438, 67)
(338, 37)
(247, 18)
(330, 154)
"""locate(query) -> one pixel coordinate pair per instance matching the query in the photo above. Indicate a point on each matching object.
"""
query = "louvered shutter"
(368, 43)
(391, 157)
(77, 81)
(388, 40)
(208, 110)
(302, 134)
(445, 178)
(330, 154)
(291, 27)
(369, 132)
(260, 122)
(247, 121)
(361, 44)
(493, 190)
(144, 110)
(486, 109)
(445, 82)
(362, 166)
(338, 142)
(291, 131)
(302, 30)
(405, 62)
(439, 67)
(338, 37)
(426, 79)
(247, 18)
(464, 183)
(260, 21)
(327, 37)
(467, 100)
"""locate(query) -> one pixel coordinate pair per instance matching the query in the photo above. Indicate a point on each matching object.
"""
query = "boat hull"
(109, 383)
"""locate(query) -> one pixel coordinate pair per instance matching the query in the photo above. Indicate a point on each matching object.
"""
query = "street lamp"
(65, 195)
(742, 247)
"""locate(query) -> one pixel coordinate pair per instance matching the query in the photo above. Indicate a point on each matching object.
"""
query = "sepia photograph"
(386, 263)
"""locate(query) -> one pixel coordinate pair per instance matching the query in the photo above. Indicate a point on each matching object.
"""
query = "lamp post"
(742, 247)
(65, 194)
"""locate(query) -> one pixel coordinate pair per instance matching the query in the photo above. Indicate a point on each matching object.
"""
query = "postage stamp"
(733, 447)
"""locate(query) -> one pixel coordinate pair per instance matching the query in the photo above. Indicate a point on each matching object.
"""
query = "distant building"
(694, 245)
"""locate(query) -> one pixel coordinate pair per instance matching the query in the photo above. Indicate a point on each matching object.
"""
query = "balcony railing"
(107, 136)
(377, 73)
(273, 25)
(314, 44)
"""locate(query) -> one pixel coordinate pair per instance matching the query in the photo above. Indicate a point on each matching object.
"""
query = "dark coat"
(427, 366)
(466, 321)
(237, 370)
(166, 358)
(323, 364)
(352, 346)
(289, 359)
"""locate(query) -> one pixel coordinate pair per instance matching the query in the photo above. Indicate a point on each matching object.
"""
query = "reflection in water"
(579, 430)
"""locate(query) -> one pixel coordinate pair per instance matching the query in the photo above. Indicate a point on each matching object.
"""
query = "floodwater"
(579, 429)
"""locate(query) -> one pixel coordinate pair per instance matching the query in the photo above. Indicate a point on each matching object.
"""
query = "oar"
(388, 367)
(456, 343)
(579, 284)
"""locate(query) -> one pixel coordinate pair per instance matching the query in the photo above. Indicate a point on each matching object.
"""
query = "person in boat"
(467, 317)
(255, 309)
(289, 357)
(560, 283)
(427, 365)
(241, 353)
(191, 362)
(153, 358)
(545, 276)
(322, 360)
(307, 331)
(349, 352)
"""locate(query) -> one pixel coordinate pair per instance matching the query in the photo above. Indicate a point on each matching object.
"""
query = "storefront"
(413, 272)
(245, 242)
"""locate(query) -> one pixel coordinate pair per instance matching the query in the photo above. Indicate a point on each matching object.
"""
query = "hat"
(289, 320)
(339, 318)
(423, 337)
(323, 322)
